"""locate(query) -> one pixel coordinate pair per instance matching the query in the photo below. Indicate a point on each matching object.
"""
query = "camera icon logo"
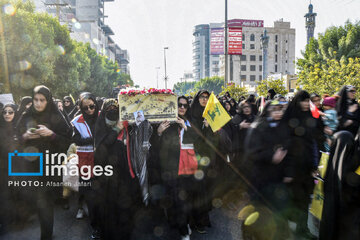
(16, 154)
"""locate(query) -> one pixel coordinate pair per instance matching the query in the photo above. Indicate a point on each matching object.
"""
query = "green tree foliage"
(235, 91)
(39, 50)
(271, 83)
(211, 84)
(182, 88)
(331, 61)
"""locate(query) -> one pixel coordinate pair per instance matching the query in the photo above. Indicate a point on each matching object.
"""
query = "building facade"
(246, 69)
(85, 19)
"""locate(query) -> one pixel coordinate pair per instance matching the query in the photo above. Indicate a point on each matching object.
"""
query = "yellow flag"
(215, 114)
(73, 100)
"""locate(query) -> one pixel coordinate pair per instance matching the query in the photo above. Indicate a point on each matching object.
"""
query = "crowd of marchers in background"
(270, 149)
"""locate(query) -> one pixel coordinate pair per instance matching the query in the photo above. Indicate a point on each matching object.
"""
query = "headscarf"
(196, 110)
(51, 117)
(11, 124)
(68, 109)
(102, 129)
(24, 101)
(90, 119)
(344, 102)
(272, 94)
(187, 114)
(294, 108)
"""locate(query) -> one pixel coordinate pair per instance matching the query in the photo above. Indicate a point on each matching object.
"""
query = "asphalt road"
(225, 226)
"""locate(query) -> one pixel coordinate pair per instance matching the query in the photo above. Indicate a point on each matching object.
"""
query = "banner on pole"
(217, 41)
(235, 41)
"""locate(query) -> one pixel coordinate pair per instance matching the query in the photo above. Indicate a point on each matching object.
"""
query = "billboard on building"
(235, 41)
(217, 41)
(245, 23)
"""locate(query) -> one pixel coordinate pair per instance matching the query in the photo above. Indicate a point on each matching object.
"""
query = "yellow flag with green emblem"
(215, 114)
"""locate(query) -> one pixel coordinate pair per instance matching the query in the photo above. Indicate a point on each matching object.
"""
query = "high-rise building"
(201, 46)
(85, 19)
(248, 68)
(310, 23)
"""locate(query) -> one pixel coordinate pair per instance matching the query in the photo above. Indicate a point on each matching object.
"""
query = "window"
(260, 67)
(276, 58)
(260, 77)
(252, 37)
(252, 68)
(252, 46)
(276, 38)
(243, 46)
(286, 41)
(243, 78)
(286, 61)
(243, 58)
(252, 78)
(260, 57)
(243, 67)
(215, 62)
(286, 51)
(252, 58)
(276, 48)
(276, 68)
(243, 37)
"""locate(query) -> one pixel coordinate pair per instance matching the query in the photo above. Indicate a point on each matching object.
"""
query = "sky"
(145, 27)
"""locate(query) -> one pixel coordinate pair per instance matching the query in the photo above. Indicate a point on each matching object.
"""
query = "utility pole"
(226, 43)
(165, 78)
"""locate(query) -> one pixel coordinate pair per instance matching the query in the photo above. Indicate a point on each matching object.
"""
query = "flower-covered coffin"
(155, 105)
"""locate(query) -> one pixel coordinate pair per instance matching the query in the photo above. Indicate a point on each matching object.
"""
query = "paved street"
(224, 226)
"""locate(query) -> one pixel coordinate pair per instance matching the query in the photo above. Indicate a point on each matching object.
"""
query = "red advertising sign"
(245, 23)
(217, 41)
(235, 41)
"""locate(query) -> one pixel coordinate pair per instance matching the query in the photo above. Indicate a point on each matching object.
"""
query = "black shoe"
(96, 234)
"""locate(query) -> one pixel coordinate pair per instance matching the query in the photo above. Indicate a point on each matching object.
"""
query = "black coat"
(341, 208)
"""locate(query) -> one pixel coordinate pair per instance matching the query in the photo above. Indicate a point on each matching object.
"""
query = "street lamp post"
(157, 77)
(226, 43)
(165, 67)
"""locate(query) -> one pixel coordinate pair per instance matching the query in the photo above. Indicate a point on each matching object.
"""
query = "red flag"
(314, 110)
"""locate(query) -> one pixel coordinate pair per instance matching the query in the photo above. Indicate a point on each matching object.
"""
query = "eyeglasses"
(183, 105)
(8, 112)
(90, 107)
(204, 97)
(66, 101)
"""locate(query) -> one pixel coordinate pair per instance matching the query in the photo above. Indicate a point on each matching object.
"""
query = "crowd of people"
(270, 149)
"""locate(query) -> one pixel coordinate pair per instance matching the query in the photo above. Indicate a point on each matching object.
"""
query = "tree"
(330, 77)
(182, 88)
(271, 83)
(211, 84)
(331, 61)
(235, 91)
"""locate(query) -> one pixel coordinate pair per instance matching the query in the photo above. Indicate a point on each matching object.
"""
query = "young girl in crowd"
(330, 119)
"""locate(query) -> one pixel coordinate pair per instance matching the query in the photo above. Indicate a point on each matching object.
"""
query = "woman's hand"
(279, 155)
(353, 108)
(328, 131)
(43, 131)
(163, 126)
(28, 135)
(348, 123)
(181, 122)
(244, 124)
(206, 123)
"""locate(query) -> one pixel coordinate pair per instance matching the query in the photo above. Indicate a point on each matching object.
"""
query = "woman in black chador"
(42, 127)
(305, 137)
(118, 195)
(206, 143)
(68, 106)
(7, 145)
(266, 149)
(348, 110)
(341, 209)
